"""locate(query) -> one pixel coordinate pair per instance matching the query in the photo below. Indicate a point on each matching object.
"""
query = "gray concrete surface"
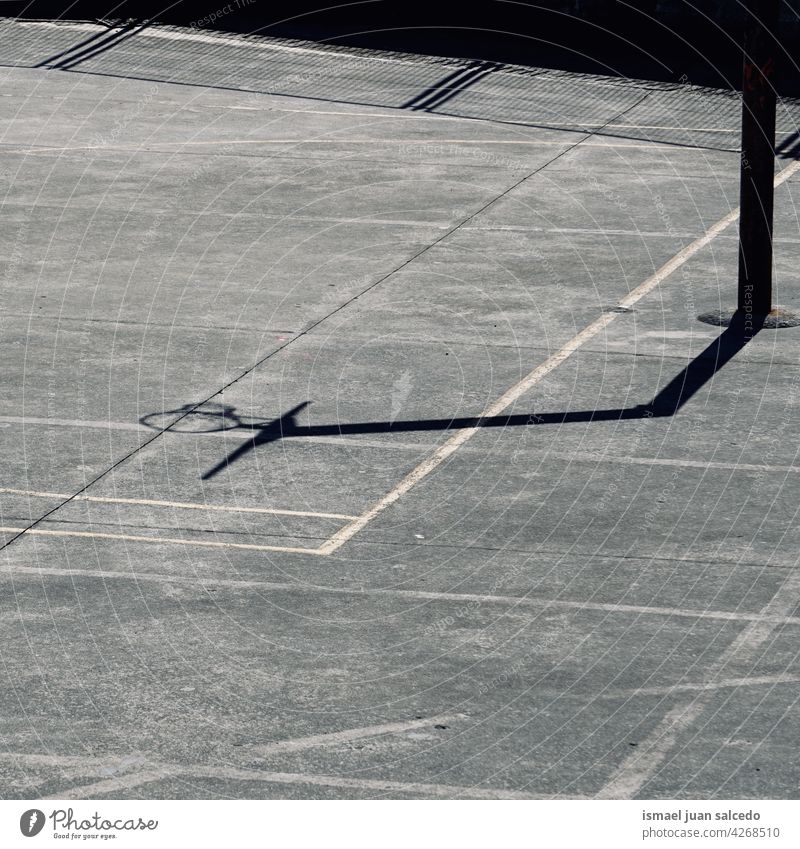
(198, 224)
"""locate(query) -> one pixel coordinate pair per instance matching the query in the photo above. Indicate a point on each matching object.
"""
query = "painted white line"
(734, 129)
(244, 435)
(527, 383)
(411, 595)
(704, 687)
(482, 142)
(92, 765)
(99, 424)
(161, 540)
(442, 791)
(744, 648)
(384, 787)
(587, 231)
(112, 785)
(96, 766)
(192, 506)
(336, 737)
(588, 457)
(154, 146)
(640, 766)
(181, 505)
(157, 771)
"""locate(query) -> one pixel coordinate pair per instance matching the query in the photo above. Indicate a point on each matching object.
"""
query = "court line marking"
(183, 505)
(640, 766)
(160, 772)
(157, 771)
(111, 785)
(154, 145)
(104, 765)
(713, 686)
(446, 791)
(683, 129)
(589, 457)
(334, 738)
(145, 776)
(523, 386)
(415, 595)
(171, 540)
(295, 146)
(88, 423)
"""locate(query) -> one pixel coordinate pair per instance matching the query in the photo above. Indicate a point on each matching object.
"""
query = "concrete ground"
(382, 595)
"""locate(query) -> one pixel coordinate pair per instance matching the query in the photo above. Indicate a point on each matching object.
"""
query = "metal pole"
(758, 158)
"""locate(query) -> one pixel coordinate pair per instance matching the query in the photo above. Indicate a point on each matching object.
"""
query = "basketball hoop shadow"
(211, 417)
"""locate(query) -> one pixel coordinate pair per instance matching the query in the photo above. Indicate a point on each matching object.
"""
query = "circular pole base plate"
(773, 320)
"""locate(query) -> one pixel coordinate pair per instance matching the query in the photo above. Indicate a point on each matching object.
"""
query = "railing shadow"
(643, 39)
(89, 48)
(521, 96)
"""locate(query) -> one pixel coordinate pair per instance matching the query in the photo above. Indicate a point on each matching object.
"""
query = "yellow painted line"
(161, 540)
(183, 505)
(527, 383)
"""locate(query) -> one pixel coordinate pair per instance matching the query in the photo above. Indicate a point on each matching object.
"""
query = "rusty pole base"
(774, 320)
